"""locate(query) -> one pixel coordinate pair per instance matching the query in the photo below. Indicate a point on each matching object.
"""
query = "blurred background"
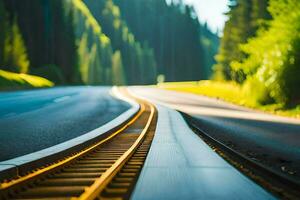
(247, 48)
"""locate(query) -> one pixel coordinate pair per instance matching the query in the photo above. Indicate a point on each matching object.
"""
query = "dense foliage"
(266, 58)
(245, 17)
(13, 55)
(104, 41)
(174, 32)
(51, 53)
(138, 59)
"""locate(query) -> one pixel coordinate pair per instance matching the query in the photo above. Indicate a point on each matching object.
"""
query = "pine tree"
(172, 30)
(3, 32)
(15, 56)
(75, 41)
(118, 74)
(108, 14)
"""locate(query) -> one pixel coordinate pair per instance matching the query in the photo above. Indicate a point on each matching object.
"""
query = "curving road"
(36, 119)
(269, 139)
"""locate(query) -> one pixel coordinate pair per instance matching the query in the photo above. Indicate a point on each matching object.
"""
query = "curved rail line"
(107, 169)
(279, 184)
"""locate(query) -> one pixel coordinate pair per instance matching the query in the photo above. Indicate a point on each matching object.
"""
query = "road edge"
(20, 165)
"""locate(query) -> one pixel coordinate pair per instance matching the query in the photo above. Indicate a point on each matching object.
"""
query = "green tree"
(245, 17)
(15, 56)
(273, 56)
(3, 30)
(85, 41)
(173, 31)
(13, 53)
(118, 75)
(94, 47)
(48, 36)
(122, 39)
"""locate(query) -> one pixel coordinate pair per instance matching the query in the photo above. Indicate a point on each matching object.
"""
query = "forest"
(104, 42)
(133, 42)
(260, 50)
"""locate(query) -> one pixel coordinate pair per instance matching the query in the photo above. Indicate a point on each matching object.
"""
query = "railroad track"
(280, 185)
(106, 170)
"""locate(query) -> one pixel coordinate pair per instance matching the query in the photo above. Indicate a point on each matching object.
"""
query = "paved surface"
(272, 140)
(181, 166)
(37, 119)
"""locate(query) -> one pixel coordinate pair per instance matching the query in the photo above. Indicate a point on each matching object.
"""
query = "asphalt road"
(37, 119)
(269, 139)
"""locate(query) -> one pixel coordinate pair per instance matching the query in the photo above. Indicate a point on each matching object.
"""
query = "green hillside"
(10, 80)
(92, 42)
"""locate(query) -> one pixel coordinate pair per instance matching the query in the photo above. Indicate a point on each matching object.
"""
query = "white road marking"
(60, 99)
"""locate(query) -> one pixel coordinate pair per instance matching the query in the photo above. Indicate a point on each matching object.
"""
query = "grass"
(10, 80)
(230, 92)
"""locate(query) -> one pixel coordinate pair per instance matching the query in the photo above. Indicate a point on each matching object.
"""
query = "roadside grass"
(10, 80)
(230, 92)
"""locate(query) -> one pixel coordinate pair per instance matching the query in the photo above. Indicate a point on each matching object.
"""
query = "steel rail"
(13, 188)
(22, 179)
(99, 185)
(278, 184)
